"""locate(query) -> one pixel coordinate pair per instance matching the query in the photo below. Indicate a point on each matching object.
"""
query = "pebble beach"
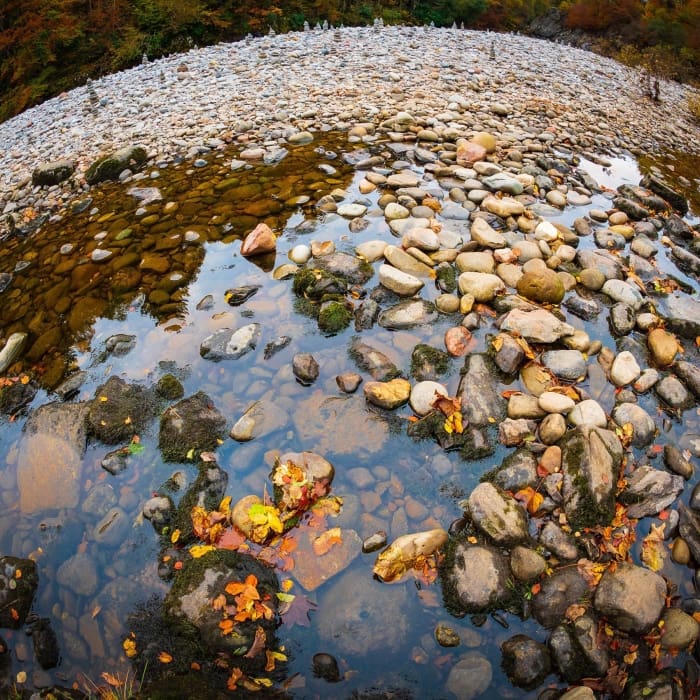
(263, 91)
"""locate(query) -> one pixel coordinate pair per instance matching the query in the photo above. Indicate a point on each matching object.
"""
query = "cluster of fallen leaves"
(451, 408)
(247, 604)
(295, 492)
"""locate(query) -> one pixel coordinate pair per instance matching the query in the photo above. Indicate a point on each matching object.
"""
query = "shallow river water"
(381, 635)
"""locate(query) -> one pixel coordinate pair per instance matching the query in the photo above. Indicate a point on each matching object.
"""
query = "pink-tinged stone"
(459, 341)
(470, 152)
(260, 240)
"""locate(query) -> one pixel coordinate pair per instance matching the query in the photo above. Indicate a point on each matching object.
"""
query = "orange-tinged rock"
(260, 240)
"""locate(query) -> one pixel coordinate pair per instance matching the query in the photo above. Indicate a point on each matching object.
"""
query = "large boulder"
(110, 167)
(631, 597)
(474, 578)
(189, 608)
(591, 460)
(50, 461)
(52, 173)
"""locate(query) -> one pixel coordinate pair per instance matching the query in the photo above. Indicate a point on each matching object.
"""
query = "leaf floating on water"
(297, 611)
(129, 646)
(324, 542)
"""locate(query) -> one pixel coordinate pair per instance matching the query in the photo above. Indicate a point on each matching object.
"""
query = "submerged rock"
(358, 616)
(17, 590)
(525, 661)
(50, 460)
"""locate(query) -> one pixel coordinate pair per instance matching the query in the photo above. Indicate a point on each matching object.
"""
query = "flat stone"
(539, 326)
(401, 283)
(498, 515)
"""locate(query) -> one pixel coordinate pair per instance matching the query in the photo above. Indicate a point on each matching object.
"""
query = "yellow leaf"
(103, 399)
(129, 646)
(630, 658)
(264, 682)
(22, 677)
(24, 379)
(653, 548)
(497, 343)
(175, 536)
(287, 584)
(225, 505)
(96, 611)
(127, 420)
(199, 550)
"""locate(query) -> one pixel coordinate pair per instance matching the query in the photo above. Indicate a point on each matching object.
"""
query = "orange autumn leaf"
(248, 589)
(288, 545)
(531, 499)
(112, 680)
(14, 614)
(164, 657)
(234, 678)
(226, 626)
(323, 543)
(536, 588)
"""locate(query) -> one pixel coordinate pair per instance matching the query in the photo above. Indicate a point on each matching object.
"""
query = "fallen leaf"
(271, 657)
(129, 646)
(297, 611)
(653, 548)
(407, 551)
(175, 536)
(258, 643)
(199, 550)
(111, 679)
(323, 543)
(164, 657)
(573, 612)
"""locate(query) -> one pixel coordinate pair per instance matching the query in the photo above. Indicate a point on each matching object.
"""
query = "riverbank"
(265, 90)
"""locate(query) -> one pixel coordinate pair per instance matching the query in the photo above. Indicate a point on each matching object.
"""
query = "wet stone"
(622, 318)
(445, 636)
(563, 588)
(631, 597)
(676, 462)
(643, 426)
(525, 661)
(672, 392)
(229, 344)
(470, 677)
(497, 515)
(651, 490)
(305, 368)
(476, 578)
(348, 382)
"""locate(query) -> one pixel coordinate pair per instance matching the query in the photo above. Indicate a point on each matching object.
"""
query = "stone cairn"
(92, 95)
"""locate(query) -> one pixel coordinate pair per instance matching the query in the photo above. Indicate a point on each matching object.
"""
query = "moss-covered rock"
(333, 317)
(119, 411)
(317, 284)
(170, 387)
(190, 426)
(111, 166)
(52, 173)
(428, 363)
(207, 491)
(188, 605)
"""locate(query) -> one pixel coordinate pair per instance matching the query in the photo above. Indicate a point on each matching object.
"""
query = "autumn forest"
(49, 46)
